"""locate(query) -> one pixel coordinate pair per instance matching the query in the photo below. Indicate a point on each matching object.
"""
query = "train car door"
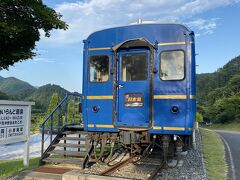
(133, 88)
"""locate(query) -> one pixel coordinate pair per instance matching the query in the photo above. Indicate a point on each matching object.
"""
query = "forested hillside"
(14, 89)
(3, 96)
(43, 95)
(218, 93)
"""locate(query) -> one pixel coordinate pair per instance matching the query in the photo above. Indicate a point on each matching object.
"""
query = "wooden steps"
(70, 145)
(68, 153)
(64, 160)
(75, 132)
(73, 139)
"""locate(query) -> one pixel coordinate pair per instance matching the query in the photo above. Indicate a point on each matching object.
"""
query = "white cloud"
(203, 26)
(41, 51)
(90, 15)
(43, 60)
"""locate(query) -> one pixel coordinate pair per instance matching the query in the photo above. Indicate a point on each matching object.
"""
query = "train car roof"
(160, 32)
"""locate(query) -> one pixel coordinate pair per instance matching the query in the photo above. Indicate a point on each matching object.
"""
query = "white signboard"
(13, 123)
(15, 120)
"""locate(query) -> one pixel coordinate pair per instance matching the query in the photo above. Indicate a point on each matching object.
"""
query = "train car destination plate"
(133, 99)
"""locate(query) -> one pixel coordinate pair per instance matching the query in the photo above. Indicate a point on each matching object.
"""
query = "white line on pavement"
(230, 157)
(231, 132)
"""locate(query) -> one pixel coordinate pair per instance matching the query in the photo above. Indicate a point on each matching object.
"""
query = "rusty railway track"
(116, 167)
(156, 172)
(119, 165)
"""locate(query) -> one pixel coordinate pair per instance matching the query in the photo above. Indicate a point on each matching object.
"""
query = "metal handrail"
(54, 110)
(59, 104)
(50, 118)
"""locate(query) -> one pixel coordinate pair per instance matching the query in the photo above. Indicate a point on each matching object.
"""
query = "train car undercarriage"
(106, 147)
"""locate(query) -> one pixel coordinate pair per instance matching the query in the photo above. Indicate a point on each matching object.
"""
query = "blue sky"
(216, 25)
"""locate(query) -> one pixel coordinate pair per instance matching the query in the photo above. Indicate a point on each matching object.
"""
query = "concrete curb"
(201, 150)
(76, 175)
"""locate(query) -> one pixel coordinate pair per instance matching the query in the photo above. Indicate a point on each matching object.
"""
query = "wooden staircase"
(63, 137)
(68, 147)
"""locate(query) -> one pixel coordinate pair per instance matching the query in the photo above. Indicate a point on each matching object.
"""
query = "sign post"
(15, 123)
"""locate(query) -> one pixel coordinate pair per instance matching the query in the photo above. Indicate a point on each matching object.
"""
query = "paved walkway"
(231, 141)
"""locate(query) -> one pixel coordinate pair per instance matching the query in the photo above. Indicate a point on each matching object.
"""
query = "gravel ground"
(192, 167)
(140, 170)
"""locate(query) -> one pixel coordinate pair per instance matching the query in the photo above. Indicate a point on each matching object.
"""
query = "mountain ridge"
(12, 88)
(207, 82)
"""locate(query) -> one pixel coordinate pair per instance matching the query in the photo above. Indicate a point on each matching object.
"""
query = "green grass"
(214, 155)
(14, 166)
(228, 127)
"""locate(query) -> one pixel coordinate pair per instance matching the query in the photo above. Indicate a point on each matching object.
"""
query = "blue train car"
(138, 96)
(139, 83)
(140, 77)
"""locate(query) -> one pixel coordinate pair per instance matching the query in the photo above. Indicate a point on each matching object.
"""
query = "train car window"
(99, 68)
(134, 67)
(172, 65)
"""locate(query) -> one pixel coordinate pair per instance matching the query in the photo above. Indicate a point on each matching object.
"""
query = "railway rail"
(116, 167)
(156, 172)
(119, 169)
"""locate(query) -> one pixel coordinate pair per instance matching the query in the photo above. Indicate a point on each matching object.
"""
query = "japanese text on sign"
(12, 122)
(133, 100)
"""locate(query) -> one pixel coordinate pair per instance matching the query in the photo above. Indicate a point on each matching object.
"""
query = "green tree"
(55, 100)
(199, 117)
(219, 92)
(73, 116)
(70, 111)
(234, 84)
(43, 95)
(3, 96)
(227, 110)
(20, 22)
(220, 84)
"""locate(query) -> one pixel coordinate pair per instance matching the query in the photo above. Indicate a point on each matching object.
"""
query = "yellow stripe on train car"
(99, 49)
(171, 43)
(91, 125)
(100, 97)
(157, 127)
(104, 126)
(155, 97)
(174, 128)
(192, 97)
(170, 97)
